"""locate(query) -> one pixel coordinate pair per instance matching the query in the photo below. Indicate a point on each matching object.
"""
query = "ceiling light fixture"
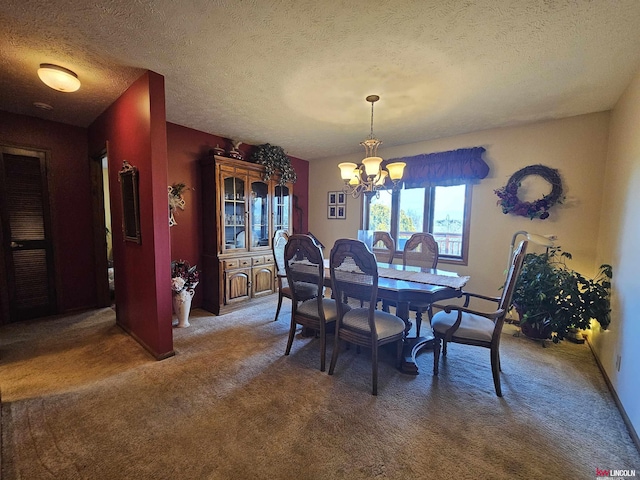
(369, 176)
(58, 78)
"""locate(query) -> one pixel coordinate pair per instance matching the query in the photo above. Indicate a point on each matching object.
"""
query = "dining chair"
(280, 239)
(354, 273)
(460, 324)
(304, 264)
(421, 250)
(384, 246)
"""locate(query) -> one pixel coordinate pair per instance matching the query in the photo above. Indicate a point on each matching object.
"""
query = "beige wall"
(576, 146)
(618, 244)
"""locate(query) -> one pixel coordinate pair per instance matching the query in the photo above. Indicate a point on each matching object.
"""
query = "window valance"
(444, 168)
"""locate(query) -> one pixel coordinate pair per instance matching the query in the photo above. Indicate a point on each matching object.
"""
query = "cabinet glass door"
(259, 205)
(235, 213)
(281, 207)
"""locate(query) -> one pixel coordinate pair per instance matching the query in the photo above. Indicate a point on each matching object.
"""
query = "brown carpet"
(82, 400)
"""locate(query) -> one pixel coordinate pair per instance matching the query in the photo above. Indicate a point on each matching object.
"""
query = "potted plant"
(274, 159)
(551, 298)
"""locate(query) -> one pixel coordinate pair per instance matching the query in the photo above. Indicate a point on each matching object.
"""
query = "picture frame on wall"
(336, 205)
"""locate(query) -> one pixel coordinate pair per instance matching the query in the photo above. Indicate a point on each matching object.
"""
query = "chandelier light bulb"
(396, 170)
(372, 166)
(347, 170)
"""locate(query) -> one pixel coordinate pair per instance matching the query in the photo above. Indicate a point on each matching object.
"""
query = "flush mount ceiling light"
(370, 176)
(58, 78)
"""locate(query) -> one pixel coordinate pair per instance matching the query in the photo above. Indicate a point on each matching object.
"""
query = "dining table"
(403, 284)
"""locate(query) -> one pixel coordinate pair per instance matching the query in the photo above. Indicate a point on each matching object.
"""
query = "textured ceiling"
(295, 73)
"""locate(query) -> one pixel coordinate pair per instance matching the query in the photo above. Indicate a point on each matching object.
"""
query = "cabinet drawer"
(232, 263)
(268, 259)
(235, 263)
(258, 260)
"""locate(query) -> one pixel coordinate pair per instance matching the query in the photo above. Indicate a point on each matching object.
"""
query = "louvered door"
(28, 272)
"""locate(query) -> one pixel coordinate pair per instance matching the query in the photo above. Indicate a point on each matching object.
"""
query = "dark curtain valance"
(444, 168)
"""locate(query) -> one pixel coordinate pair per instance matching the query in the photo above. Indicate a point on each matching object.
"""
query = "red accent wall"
(134, 129)
(186, 147)
(301, 191)
(70, 198)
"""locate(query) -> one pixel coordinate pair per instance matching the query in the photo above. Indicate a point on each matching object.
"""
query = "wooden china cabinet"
(240, 213)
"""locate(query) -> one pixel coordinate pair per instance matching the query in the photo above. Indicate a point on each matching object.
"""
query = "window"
(439, 210)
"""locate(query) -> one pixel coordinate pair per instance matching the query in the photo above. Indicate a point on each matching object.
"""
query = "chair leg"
(334, 355)
(292, 332)
(399, 348)
(374, 369)
(436, 355)
(323, 347)
(444, 348)
(418, 321)
(495, 369)
(279, 305)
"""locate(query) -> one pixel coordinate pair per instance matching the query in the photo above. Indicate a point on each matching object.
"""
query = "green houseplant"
(551, 298)
(274, 160)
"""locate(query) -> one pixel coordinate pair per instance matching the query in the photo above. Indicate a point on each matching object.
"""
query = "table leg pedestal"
(412, 347)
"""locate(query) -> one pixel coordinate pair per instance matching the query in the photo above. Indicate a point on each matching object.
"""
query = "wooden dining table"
(405, 284)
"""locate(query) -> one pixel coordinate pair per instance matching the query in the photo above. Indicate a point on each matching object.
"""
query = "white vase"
(182, 306)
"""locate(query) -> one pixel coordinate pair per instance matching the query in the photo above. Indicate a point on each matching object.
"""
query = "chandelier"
(369, 176)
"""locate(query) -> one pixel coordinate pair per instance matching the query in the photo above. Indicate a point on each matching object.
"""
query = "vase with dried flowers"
(184, 279)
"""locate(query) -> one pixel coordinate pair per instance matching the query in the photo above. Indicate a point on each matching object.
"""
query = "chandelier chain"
(371, 134)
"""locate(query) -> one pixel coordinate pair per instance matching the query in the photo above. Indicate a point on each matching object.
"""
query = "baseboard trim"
(625, 417)
(156, 355)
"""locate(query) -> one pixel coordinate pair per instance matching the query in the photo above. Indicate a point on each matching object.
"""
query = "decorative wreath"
(510, 202)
